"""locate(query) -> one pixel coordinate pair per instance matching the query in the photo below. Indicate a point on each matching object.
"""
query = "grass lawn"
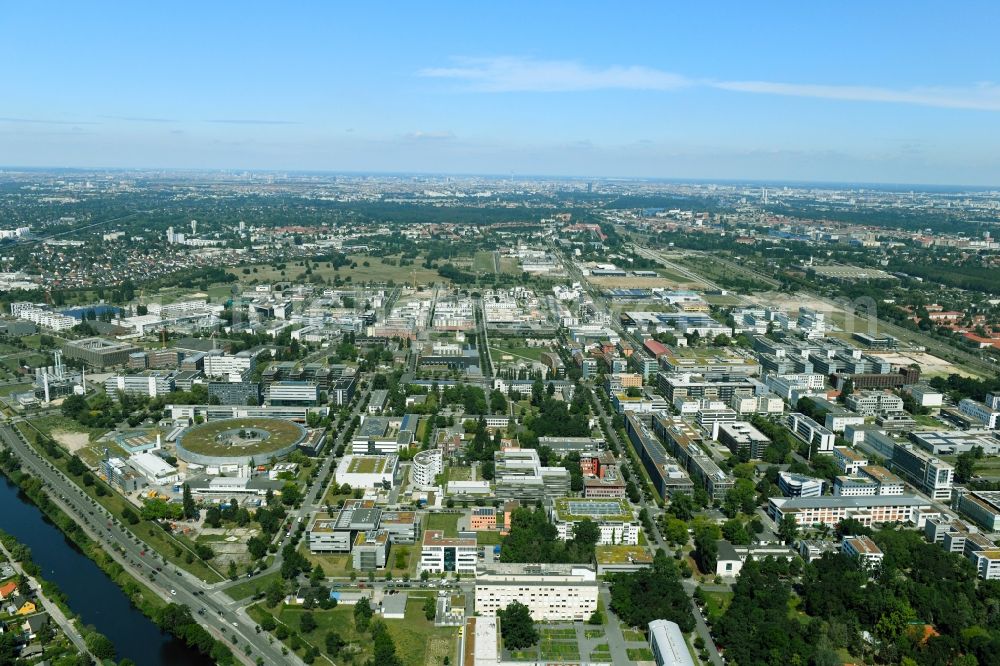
(418, 642)
(524, 655)
(483, 262)
(716, 604)
(640, 654)
(447, 522)
(251, 586)
(633, 635)
(558, 634)
(560, 650)
(593, 633)
(926, 420)
(488, 538)
(519, 353)
(459, 473)
(376, 270)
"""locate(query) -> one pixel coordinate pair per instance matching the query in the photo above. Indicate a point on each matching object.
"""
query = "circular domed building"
(238, 441)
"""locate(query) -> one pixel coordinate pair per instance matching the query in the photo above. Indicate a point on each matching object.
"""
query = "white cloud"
(512, 74)
(984, 97)
(517, 74)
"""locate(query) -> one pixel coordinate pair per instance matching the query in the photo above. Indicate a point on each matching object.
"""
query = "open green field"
(418, 641)
(716, 604)
(519, 353)
(203, 438)
(488, 538)
(376, 271)
(459, 473)
(447, 522)
(366, 465)
(252, 586)
(484, 262)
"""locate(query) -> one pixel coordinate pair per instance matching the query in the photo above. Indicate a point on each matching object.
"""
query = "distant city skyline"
(846, 93)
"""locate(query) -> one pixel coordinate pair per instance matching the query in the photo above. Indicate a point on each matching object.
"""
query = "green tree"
(517, 627)
(190, 509)
(788, 529)
(362, 614)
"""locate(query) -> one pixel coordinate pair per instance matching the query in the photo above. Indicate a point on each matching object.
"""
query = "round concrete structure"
(238, 441)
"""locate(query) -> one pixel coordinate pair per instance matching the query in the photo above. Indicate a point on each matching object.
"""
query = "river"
(91, 594)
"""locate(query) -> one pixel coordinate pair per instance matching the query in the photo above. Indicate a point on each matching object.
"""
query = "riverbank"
(51, 597)
(165, 616)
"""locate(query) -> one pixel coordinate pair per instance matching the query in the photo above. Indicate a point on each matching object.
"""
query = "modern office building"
(441, 554)
(519, 474)
(867, 510)
(929, 474)
(988, 416)
(613, 517)
(425, 467)
(552, 592)
(98, 352)
(667, 475)
(336, 534)
(799, 485)
(235, 393)
(811, 432)
(367, 471)
(743, 438)
(151, 384)
(287, 393)
(980, 506)
(371, 550)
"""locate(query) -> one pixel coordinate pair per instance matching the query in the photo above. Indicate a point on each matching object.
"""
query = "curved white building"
(426, 465)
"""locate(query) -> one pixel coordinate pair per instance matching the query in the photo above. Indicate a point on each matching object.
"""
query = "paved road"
(51, 608)
(172, 585)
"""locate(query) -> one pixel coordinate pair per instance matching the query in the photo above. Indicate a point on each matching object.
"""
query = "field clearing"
(377, 271)
(446, 522)
(519, 353)
(418, 642)
(510, 266)
(484, 262)
(635, 282)
(930, 365)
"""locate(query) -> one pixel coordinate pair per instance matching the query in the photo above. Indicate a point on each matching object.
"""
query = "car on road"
(173, 592)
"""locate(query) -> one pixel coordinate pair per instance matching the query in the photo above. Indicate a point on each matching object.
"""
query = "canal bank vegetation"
(165, 615)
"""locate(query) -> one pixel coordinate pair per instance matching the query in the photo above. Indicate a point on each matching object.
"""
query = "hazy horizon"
(846, 94)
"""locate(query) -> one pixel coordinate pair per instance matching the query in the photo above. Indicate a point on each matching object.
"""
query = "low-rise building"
(371, 550)
(613, 517)
(980, 506)
(367, 471)
(811, 432)
(863, 548)
(666, 642)
(867, 510)
(741, 437)
(799, 485)
(441, 554)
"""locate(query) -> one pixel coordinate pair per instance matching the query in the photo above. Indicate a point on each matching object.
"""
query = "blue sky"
(863, 92)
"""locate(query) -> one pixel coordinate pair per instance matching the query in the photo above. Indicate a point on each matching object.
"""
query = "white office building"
(552, 592)
(425, 467)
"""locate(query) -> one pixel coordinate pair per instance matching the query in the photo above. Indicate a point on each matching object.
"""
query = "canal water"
(91, 594)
